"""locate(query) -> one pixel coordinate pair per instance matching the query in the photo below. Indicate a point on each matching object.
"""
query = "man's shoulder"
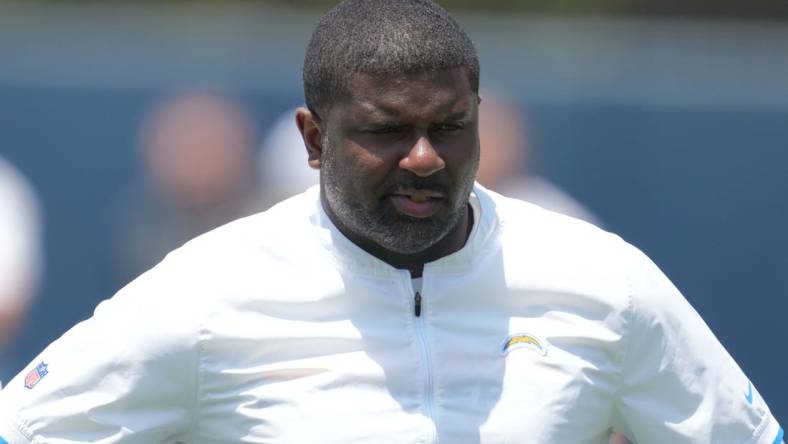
(522, 221)
(287, 227)
(248, 255)
(546, 250)
(228, 251)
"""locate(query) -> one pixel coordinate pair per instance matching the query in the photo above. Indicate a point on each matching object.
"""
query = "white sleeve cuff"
(772, 433)
(10, 434)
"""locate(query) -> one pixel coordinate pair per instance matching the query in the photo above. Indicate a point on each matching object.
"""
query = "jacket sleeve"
(126, 375)
(678, 384)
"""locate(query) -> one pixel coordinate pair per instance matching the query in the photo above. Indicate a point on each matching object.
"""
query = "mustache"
(415, 183)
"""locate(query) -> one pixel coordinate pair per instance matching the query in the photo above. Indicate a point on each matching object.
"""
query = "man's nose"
(422, 159)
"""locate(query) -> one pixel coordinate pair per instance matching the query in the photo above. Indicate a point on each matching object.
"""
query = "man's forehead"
(378, 95)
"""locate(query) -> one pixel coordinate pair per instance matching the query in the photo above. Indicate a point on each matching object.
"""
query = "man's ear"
(309, 125)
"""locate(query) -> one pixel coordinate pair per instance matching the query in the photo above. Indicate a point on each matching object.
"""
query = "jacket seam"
(21, 426)
(626, 343)
(762, 426)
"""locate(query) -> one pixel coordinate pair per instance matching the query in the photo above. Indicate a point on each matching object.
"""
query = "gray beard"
(383, 225)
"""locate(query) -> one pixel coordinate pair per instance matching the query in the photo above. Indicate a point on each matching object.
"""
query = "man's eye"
(388, 129)
(448, 127)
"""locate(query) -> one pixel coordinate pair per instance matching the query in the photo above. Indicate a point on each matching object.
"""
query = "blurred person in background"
(506, 165)
(20, 252)
(198, 151)
(283, 161)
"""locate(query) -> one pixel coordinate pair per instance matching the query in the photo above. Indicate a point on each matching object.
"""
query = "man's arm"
(128, 374)
(678, 383)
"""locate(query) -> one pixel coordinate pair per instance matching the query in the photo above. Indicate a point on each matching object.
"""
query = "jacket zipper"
(422, 339)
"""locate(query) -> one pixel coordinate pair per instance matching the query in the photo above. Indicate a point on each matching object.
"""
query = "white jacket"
(277, 329)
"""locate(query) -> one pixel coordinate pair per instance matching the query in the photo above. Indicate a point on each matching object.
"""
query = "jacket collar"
(351, 257)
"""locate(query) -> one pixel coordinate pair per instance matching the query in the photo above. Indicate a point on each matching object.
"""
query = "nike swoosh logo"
(748, 396)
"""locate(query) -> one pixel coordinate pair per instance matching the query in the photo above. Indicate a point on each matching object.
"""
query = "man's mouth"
(418, 203)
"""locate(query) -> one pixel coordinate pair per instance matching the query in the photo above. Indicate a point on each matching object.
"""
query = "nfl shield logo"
(35, 375)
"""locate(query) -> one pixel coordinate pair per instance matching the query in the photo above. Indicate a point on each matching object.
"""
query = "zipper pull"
(417, 305)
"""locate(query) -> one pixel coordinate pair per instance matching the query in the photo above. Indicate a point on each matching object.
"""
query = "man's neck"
(452, 242)
(414, 263)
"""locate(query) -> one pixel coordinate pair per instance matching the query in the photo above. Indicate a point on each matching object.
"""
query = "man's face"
(399, 158)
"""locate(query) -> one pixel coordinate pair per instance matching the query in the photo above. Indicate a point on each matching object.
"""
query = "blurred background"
(126, 129)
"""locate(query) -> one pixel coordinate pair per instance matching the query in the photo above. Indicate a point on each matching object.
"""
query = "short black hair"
(382, 38)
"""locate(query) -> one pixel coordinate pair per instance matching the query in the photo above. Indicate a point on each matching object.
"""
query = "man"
(507, 161)
(281, 161)
(399, 302)
(197, 150)
(20, 261)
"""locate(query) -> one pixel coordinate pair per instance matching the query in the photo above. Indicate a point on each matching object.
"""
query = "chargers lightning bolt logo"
(524, 340)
